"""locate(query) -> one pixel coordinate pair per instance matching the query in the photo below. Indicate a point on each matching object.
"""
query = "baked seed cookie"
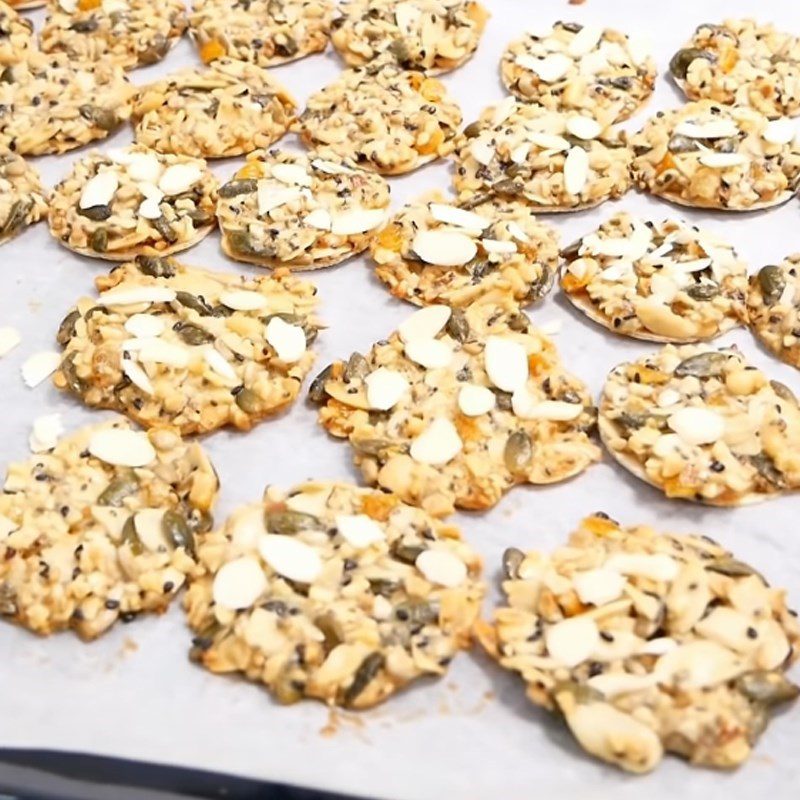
(647, 643)
(26, 4)
(16, 36)
(707, 155)
(664, 282)
(198, 350)
(457, 407)
(22, 198)
(773, 308)
(101, 527)
(133, 201)
(287, 210)
(702, 424)
(130, 33)
(51, 104)
(263, 32)
(568, 67)
(555, 161)
(433, 251)
(227, 109)
(333, 592)
(381, 116)
(741, 62)
(433, 35)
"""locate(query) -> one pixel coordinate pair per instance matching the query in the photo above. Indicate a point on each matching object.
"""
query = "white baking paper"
(472, 734)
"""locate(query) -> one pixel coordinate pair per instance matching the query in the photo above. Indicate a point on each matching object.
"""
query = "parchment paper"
(471, 735)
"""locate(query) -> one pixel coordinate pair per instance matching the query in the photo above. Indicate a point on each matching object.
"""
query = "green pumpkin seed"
(199, 521)
(399, 49)
(327, 624)
(193, 334)
(365, 674)
(200, 217)
(473, 129)
(766, 468)
(572, 251)
(240, 242)
(70, 373)
(356, 368)
(287, 48)
(519, 322)
(457, 326)
(316, 392)
(66, 330)
(703, 291)
(177, 532)
(703, 365)
(195, 302)
(507, 186)
(98, 241)
(518, 452)
(731, 567)
(417, 613)
(156, 266)
(16, 216)
(157, 48)
(383, 586)
(131, 538)
(124, 485)
(680, 62)
(165, 230)
(248, 401)
(103, 118)
(96, 213)
(238, 187)
(772, 282)
(8, 600)
(783, 391)
(682, 144)
(289, 522)
(541, 286)
(407, 553)
(769, 688)
(512, 558)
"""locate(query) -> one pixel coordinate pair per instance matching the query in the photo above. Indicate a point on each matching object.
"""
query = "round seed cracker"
(51, 104)
(434, 35)
(133, 201)
(570, 67)
(528, 152)
(773, 308)
(130, 33)
(229, 108)
(437, 252)
(169, 344)
(707, 155)
(263, 32)
(741, 62)
(288, 210)
(381, 117)
(16, 36)
(663, 282)
(646, 643)
(101, 528)
(457, 407)
(333, 592)
(702, 424)
(22, 197)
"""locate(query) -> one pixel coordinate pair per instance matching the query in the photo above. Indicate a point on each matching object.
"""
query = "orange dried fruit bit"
(478, 14)
(674, 488)
(212, 50)
(571, 283)
(729, 60)
(668, 162)
(415, 79)
(599, 526)
(432, 90)
(648, 375)
(379, 506)
(250, 170)
(468, 428)
(432, 145)
(88, 5)
(391, 237)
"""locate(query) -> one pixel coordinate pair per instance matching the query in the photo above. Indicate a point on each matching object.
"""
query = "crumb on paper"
(576, 2)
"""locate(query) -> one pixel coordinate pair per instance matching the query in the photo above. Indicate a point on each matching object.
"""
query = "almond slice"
(438, 444)
(576, 170)
(357, 220)
(451, 215)
(429, 353)
(39, 367)
(99, 190)
(9, 339)
(425, 323)
(289, 341)
(780, 131)
(137, 376)
(550, 69)
(723, 160)
(697, 425)
(721, 128)
(584, 127)
(179, 178)
(586, 39)
(319, 219)
(572, 640)
(442, 568)
(291, 174)
(506, 363)
(359, 530)
(385, 387)
(290, 557)
(444, 248)
(122, 447)
(473, 401)
(243, 300)
(238, 584)
(136, 295)
(46, 432)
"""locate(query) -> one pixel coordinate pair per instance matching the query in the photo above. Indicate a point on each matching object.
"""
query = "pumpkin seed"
(769, 688)
(124, 485)
(204, 640)
(193, 334)
(248, 400)
(177, 531)
(195, 302)
(327, 624)
(457, 326)
(519, 322)
(541, 286)
(731, 567)
(7, 75)
(518, 452)
(96, 213)
(507, 186)
(237, 188)
(84, 25)
(155, 266)
(682, 144)
(356, 368)
(8, 600)
(407, 553)
(287, 48)
(165, 230)
(16, 216)
(766, 468)
(287, 689)
(383, 586)
(70, 373)
(98, 241)
(157, 48)
(316, 392)
(66, 330)
(473, 129)
(399, 49)
(783, 391)
(417, 613)
(365, 674)
(200, 217)
(131, 538)
(680, 62)
(772, 282)
(703, 291)
(103, 118)
(512, 558)
(702, 365)
(289, 522)
(200, 521)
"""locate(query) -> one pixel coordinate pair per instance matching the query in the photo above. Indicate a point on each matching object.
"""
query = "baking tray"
(134, 694)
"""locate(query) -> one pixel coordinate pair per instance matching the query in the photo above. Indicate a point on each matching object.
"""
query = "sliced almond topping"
(220, 365)
(179, 178)
(613, 684)
(7, 527)
(576, 170)
(503, 110)
(444, 248)
(144, 325)
(549, 141)
(144, 167)
(451, 215)
(657, 567)
(698, 664)
(438, 444)
(319, 219)
(290, 557)
(46, 432)
(357, 220)
(288, 340)
(243, 300)
(482, 151)
(572, 640)
(149, 209)
(721, 128)
(506, 363)
(269, 196)
(239, 583)
(122, 447)
(697, 425)
(586, 39)
(385, 387)
(667, 398)
(598, 586)
(442, 567)
(136, 295)
(498, 246)
(425, 323)
(39, 367)
(330, 167)
(292, 174)
(99, 190)
(659, 646)
(584, 127)
(554, 410)
(9, 339)
(137, 376)
(723, 160)
(429, 353)
(159, 351)
(780, 131)
(516, 231)
(148, 526)
(473, 401)
(359, 530)
(550, 69)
